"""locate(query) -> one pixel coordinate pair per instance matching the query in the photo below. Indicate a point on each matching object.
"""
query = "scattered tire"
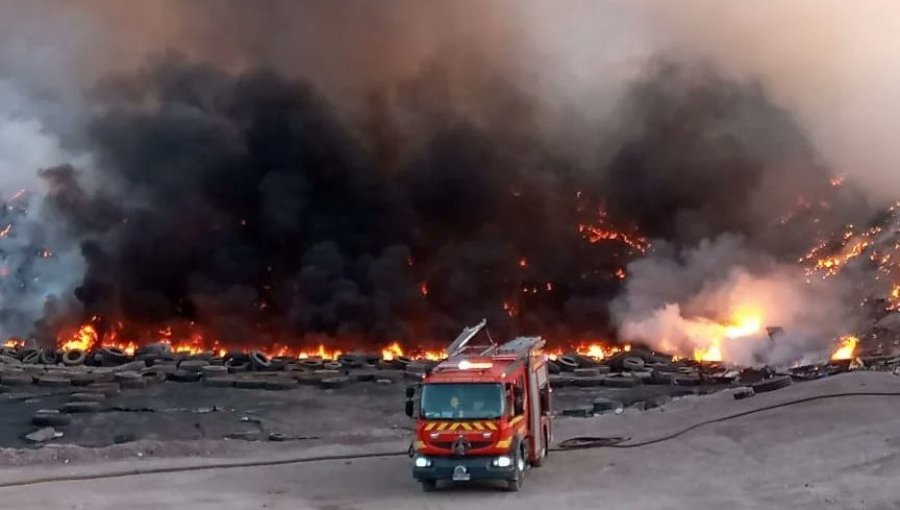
(307, 379)
(350, 361)
(49, 357)
(213, 371)
(588, 381)
(53, 382)
(193, 365)
(112, 356)
(332, 365)
(87, 397)
(31, 356)
(153, 376)
(74, 357)
(165, 368)
(82, 379)
(365, 376)
(281, 384)
(584, 361)
(6, 359)
(402, 361)
(603, 405)
(567, 363)
(183, 376)
(80, 407)
(121, 377)
(108, 389)
(52, 418)
(386, 364)
(16, 379)
(586, 372)
(686, 380)
(553, 367)
(250, 384)
(620, 382)
(311, 363)
(660, 379)
(561, 381)
(134, 384)
(260, 361)
(772, 384)
(330, 383)
(235, 366)
(743, 393)
(219, 382)
(633, 363)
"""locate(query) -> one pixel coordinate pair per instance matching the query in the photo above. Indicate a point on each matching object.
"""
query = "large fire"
(745, 322)
(846, 350)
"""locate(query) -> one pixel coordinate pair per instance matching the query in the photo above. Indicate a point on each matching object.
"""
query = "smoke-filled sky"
(280, 169)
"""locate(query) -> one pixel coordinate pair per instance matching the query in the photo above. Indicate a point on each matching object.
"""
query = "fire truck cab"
(483, 413)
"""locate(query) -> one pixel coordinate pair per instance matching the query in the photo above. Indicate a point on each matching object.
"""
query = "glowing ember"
(603, 232)
(423, 288)
(846, 350)
(523, 262)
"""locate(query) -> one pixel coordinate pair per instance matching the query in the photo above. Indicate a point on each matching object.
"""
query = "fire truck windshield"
(462, 401)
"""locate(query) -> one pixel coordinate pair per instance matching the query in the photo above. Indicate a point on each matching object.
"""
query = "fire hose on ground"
(572, 444)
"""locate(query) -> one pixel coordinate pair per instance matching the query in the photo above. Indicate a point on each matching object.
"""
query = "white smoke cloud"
(721, 292)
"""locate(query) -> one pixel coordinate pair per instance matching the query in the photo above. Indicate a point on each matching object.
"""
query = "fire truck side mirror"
(410, 408)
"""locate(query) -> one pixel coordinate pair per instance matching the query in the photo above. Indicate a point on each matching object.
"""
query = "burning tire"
(772, 384)
(74, 358)
(213, 371)
(259, 361)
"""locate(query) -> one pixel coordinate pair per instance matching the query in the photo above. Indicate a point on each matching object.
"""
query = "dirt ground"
(841, 453)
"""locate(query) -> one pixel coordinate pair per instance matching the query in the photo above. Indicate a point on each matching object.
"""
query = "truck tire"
(633, 363)
(545, 450)
(260, 362)
(520, 461)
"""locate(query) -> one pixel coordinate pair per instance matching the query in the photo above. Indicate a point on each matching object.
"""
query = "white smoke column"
(681, 304)
(38, 261)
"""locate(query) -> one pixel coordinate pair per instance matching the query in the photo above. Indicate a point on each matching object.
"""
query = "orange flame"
(84, 339)
(846, 350)
(391, 352)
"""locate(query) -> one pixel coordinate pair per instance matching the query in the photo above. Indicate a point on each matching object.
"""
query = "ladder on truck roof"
(519, 347)
(459, 345)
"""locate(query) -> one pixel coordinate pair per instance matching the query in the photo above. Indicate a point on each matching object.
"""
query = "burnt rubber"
(567, 363)
(772, 384)
(50, 419)
(49, 357)
(633, 363)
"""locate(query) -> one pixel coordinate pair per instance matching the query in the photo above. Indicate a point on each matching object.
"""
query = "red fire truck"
(483, 413)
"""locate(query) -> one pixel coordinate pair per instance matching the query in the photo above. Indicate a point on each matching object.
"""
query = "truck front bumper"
(473, 468)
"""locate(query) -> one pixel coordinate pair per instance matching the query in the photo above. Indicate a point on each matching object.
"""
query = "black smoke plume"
(245, 204)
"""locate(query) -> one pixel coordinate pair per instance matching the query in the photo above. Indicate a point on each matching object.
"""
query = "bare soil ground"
(842, 453)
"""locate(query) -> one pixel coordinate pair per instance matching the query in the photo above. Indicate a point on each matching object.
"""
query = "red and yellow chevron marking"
(467, 426)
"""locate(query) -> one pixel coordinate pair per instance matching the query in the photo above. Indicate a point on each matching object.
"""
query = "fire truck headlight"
(502, 461)
(422, 462)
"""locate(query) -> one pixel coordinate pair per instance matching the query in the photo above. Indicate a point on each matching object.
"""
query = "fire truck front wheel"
(520, 462)
(429, 485)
